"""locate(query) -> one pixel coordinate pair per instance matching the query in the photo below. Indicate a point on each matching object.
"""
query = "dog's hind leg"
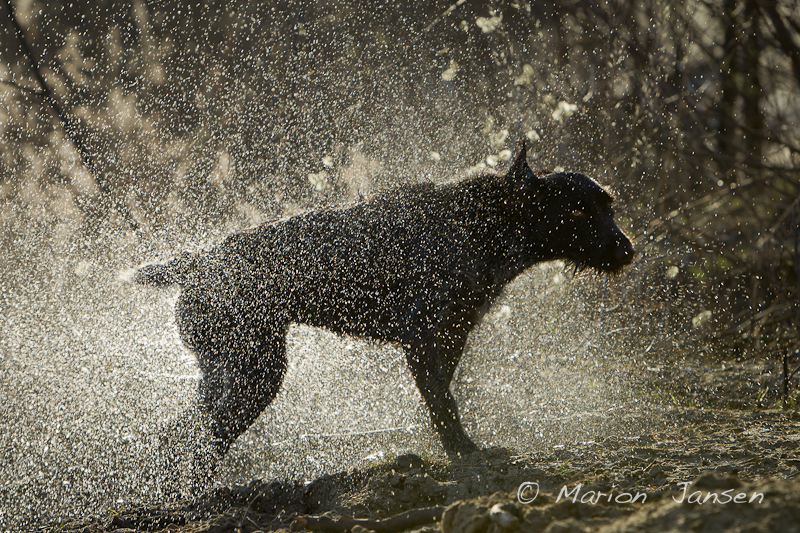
(242, 356)
(244, 382)
(242, 371)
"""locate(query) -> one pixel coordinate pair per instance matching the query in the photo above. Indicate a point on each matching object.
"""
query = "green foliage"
(562, 470)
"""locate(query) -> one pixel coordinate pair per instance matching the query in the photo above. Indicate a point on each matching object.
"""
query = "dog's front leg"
(427, 368)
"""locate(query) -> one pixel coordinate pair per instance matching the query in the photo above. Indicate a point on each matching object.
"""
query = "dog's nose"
(623, 251)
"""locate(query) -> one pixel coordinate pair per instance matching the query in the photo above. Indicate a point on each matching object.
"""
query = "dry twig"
(397, 523)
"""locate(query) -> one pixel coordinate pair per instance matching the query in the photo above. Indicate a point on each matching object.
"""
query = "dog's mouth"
(599, 268)
(611, 269)
(613, 264)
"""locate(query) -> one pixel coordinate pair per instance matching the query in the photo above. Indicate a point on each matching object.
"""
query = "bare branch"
(19, 87)
(71, 125)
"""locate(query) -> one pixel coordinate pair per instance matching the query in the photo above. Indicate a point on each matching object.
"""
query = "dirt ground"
(731, 464)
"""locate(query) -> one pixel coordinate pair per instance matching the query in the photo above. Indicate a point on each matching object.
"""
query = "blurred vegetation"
(209, 116)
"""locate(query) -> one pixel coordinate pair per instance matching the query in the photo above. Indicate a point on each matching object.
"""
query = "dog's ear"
(523, 181)
(520, 171)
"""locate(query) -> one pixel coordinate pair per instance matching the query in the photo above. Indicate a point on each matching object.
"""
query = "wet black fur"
(417, 266)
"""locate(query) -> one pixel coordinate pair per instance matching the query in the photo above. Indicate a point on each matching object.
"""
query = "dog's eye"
(578, 213)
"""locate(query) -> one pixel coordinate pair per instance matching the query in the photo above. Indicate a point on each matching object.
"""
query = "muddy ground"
(721, 431)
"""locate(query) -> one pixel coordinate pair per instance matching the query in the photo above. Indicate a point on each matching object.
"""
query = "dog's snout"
(623, 250)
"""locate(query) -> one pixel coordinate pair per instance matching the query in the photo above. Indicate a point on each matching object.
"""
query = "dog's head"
(572, 218)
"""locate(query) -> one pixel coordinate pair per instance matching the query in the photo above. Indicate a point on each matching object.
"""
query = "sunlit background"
(199, 119)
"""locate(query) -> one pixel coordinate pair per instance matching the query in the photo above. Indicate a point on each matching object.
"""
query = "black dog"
(417, 266)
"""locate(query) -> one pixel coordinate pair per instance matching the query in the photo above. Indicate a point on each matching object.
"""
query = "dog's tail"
(173, 272)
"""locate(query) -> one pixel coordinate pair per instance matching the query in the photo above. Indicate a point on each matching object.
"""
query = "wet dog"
(417, 266)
